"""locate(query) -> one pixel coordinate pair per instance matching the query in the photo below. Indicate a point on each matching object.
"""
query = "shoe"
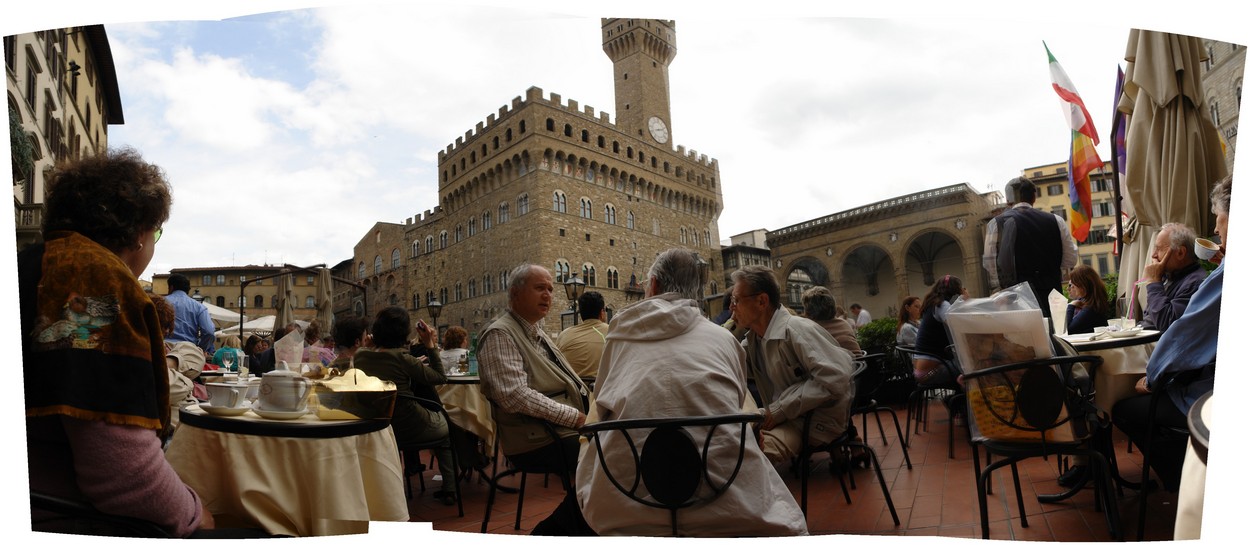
(446, 496)
(1073, 476)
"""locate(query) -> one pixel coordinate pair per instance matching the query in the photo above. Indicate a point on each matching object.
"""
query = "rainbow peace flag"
(1083, 158)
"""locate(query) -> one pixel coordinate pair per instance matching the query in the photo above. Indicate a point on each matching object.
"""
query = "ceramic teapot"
(284, 390)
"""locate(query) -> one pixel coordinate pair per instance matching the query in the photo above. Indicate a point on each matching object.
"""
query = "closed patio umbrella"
(325, 299)
(286, 300)
(1174, 155)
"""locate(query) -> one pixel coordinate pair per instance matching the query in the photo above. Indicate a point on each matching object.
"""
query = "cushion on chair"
(671, 465)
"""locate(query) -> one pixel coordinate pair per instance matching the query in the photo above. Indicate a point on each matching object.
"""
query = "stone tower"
(641, 50)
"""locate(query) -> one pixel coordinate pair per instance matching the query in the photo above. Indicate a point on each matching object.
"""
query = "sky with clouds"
(287, 134)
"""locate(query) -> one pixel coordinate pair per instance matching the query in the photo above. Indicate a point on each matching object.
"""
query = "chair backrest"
(670, 464)
(1037, 400)
(95, 522)
(869, 380)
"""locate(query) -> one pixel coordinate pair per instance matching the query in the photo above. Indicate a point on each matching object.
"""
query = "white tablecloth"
(1121, 369)
(292, 486)
(1189, 500)
(469, 409)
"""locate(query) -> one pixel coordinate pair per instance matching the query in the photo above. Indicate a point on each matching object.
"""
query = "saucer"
(1125, 333)
(224, 411)
(279, 415)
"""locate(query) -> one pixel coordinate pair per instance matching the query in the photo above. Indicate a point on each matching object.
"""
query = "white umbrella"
(286, 299)
(260, 326)
(325, 299)
(222, 315)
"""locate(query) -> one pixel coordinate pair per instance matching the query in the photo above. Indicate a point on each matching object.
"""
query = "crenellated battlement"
(535, 95)
(424, 218)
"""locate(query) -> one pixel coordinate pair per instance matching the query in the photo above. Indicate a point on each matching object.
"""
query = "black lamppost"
(573, 289)
(435, 308)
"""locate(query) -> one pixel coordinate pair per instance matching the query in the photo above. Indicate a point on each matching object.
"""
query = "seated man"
(529, 381)
(820, 307)
(582, 344)
(1190, 343)
(664, 359)
(1173, 275)
(796, 364)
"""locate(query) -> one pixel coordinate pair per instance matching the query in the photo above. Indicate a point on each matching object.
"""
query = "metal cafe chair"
(867, 383)
(670, 463)
(412, 450)
(495, 475)
(917, 402)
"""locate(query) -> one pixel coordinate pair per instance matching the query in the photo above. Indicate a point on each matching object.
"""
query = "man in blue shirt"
(191, 320)
(1189, 344)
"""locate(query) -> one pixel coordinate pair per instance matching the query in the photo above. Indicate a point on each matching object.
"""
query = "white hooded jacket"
(663, 358)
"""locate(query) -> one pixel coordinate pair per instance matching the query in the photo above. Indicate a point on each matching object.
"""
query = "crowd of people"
(87, 322)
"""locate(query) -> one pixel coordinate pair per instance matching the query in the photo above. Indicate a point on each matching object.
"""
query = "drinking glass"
(227, 360)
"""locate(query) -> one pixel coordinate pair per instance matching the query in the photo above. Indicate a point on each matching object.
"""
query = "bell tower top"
(641, 50)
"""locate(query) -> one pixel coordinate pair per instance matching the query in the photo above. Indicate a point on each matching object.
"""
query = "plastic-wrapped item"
(988, 332)
(354, 396)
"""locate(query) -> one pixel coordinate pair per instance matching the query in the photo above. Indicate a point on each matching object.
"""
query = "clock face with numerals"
(659, 131)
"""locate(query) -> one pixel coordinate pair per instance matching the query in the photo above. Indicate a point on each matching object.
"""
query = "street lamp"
(573, 289)
(435, 308)
(198, 298)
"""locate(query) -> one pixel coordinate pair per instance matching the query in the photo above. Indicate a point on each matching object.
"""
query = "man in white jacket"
(797, 366)
(663, 358)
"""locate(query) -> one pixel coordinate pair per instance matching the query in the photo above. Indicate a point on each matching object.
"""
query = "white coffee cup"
(228, 395)
(1205, 249)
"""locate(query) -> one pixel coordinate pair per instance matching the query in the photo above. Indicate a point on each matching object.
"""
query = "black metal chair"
(1157, 432)
(842, 443)
(950, 394)
(1033, 409)
(409, 453)
(670, 463)
(91, 520)
(565, 473)
(866, 385)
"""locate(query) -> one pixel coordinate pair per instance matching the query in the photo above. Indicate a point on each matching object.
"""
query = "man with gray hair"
(797, 366)
(820, 307)
(529, 381)
(1172, 276)
(663, 358)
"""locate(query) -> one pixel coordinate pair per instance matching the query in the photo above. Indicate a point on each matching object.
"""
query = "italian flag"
(1083, 158)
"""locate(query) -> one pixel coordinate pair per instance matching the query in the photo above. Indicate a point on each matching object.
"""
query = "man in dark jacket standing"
(1024, 244)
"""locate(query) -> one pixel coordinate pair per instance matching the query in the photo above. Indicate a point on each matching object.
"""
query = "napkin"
(1058, 311)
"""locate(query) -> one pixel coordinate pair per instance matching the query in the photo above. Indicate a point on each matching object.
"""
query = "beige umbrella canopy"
(325, 299)
(286, 300)
(1173, 150)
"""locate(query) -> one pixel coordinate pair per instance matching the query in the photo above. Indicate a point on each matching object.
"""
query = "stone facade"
(555, 183)
(1221, 80)
(876, 255)
(220, 286)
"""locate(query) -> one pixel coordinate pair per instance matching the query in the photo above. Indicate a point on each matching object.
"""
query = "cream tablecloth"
(469, 409)
(1189, 500)
(1121, 368)
(292, 486)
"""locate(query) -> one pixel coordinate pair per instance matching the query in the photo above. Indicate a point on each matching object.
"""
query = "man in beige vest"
(528, 381)
(582, 344)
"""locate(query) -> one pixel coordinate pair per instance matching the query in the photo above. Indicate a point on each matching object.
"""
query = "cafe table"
(1123, 363)
(301, 477)
(468, 408)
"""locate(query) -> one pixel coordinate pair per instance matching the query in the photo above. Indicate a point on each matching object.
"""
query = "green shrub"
(877, 337)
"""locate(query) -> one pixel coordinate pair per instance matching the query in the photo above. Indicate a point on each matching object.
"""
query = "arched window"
(503, 212)
(559, 202)
(416, 297)
(683, 235)
(258, 301)
(310, 302)
(485, 220)
(588, 274)
(273, 301)
(393, 300)
(551, 124)
(416, 248)
(360, 271)
(629, 221)
(395, 258)
(568, 130)
(377, 264)
(459, 291)
(473, 287)
(442, 295)
(429, 244)
(609, 214)
(522, 126)
(221, 301)
(523, 204)
(601, 141)
(459, 233)
(562, 271)
(507, 135)
(585, 209)
(586, 136)
(707, 239)
(472, 226)
(442, 240)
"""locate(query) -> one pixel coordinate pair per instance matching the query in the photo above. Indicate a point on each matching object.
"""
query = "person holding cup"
(1172, 276)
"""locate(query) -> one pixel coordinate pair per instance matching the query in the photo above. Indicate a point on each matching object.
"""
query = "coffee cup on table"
(227, 395)
(1205, 249)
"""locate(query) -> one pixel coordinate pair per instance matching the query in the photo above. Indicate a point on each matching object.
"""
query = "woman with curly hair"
(93, 350)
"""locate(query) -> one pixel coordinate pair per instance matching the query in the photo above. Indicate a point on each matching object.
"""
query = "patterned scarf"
(91, 341)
